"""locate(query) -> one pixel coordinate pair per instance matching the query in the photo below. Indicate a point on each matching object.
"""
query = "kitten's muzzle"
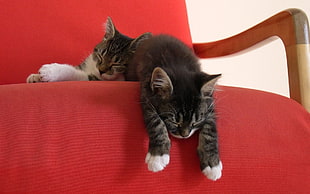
(184, 133)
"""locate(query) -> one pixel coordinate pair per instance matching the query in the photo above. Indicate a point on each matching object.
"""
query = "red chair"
(89, 137)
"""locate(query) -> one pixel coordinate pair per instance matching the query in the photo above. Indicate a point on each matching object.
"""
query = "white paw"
(34, 78)
(157, 163)
(213, 173)
(54, 72)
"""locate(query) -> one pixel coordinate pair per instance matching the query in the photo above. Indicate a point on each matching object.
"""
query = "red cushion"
(89, 136)
(39, 32)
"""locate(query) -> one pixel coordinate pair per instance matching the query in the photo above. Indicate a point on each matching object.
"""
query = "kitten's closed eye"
(116, 59)
(198, 123)
(176, 124)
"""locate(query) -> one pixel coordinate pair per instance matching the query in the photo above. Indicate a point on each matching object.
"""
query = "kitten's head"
(113, 53)
(186, 106)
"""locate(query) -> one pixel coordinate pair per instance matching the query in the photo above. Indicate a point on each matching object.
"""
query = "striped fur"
(176, 98)
(108, 61)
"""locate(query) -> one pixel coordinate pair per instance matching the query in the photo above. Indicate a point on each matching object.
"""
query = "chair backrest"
(39, 32)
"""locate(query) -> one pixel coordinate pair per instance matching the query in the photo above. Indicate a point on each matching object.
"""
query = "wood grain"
(292, 27)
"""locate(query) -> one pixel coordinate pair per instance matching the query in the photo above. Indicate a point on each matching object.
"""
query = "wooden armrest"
(292, 27)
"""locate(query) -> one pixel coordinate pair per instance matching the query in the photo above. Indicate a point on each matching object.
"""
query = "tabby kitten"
(108, 61)
(176, 97)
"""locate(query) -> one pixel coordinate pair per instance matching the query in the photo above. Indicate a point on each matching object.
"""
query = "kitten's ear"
(161, 83)
(136, 42)
(109, 29)
(209, 84)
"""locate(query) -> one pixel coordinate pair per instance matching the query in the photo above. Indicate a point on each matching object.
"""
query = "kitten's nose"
(185, 133)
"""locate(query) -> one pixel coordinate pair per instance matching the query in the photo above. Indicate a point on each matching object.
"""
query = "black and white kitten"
(176, 97)
(108, 61)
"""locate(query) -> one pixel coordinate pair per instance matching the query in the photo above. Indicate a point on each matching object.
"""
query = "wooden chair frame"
(292, 27)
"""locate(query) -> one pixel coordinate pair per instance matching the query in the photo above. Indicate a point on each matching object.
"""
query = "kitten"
(108, 61)
(176, 97)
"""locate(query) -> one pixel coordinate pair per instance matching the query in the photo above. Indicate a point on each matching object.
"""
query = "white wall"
(263, 68)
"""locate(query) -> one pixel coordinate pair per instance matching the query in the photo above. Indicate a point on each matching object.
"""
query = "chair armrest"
(292, 27)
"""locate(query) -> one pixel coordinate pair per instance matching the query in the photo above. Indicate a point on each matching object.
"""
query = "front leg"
(210, 163)
(158, 156)
(57, 72)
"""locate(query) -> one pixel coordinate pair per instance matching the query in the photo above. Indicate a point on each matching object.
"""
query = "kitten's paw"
(157, 163)
(213, 173)
(51, 72)
(34, 78)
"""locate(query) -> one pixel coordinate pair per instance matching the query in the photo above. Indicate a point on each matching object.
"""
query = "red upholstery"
(89, 136)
